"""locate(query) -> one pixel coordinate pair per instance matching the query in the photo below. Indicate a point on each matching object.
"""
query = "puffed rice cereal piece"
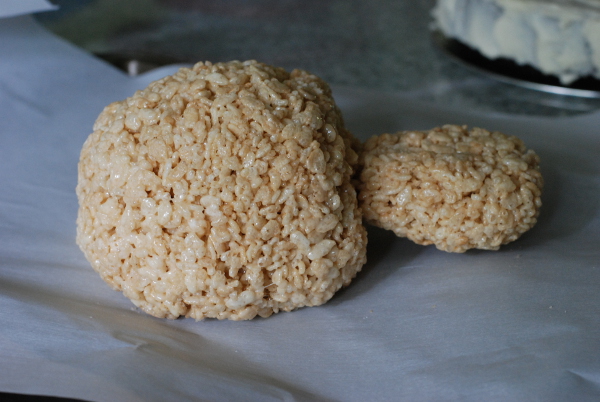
(222, 191)
(452, 187)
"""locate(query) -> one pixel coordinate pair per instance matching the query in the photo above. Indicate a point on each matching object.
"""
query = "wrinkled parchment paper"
(522, 323)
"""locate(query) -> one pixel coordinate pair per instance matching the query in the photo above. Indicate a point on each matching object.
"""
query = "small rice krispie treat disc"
(222, 191)
(451, 186)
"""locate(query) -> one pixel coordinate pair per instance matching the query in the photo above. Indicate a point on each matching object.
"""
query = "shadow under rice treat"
(452, 187)
(222, 191)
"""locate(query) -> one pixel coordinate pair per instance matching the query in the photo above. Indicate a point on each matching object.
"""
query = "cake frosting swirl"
(558, 37)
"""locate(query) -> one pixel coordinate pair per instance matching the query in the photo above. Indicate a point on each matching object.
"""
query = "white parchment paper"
(13, 8)
(522, 323)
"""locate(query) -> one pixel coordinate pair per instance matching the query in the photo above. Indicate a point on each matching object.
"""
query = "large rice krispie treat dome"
(222, 191)
(452, 187)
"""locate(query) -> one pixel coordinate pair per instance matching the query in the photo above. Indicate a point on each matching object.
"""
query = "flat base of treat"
(508, 71)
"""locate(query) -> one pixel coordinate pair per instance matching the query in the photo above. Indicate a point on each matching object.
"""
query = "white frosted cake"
(558, 37)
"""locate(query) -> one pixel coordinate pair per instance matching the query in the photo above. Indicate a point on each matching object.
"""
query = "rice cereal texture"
(452, 187)
(222, 191)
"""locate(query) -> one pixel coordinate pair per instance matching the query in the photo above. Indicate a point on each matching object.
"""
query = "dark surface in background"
(8, 397)
(380, 44)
